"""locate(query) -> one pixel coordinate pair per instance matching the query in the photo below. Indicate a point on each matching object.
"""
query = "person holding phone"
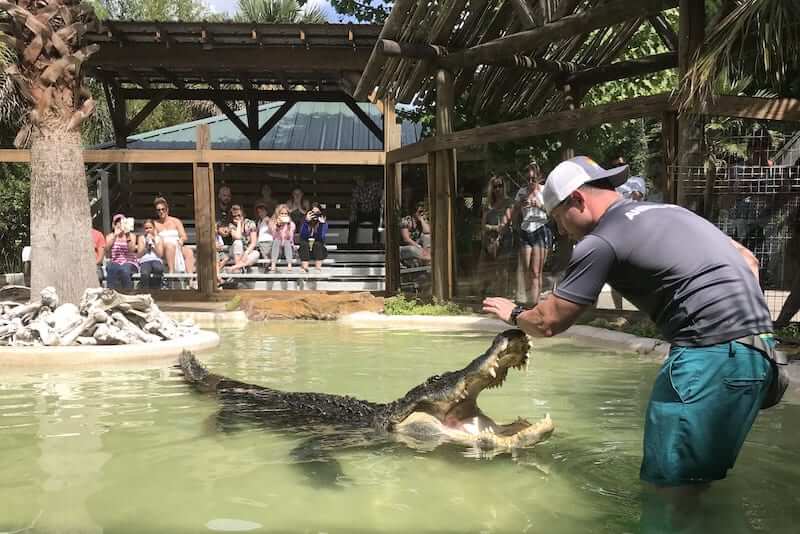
(122, 248)
(150, 254)
(312, 238)
(282, 229)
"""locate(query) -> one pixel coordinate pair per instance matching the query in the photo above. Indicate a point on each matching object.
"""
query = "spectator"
(298, 206)
(365, 205)
(245, 238)
(224, 243)
(179, 256)
(150, 254)
(224, 196)
(282, 228)
(415, 238)
(99, 252)
(312, 238)
(267, 200)
(122, 247)
(496, 237)
(262, 229)
(535, 236)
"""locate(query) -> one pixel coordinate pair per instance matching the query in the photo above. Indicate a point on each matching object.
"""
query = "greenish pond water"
(134, 450)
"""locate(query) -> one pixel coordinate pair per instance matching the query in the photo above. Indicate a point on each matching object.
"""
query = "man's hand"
(500, 307)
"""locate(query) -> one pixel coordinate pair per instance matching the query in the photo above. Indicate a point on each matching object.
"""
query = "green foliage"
(183, 10)
(233, 304)
(401, 305)
(15, 190)
(641, 328)
(364, 10)
(278, 12)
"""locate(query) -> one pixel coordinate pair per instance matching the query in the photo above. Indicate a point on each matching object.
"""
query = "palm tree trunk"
(62, 250)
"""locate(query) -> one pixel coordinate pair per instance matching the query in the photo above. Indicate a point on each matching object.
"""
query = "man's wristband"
(519, 308)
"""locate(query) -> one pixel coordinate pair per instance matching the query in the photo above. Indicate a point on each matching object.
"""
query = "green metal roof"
(307, 126)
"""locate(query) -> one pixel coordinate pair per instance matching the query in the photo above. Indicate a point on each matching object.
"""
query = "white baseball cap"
(569, 175)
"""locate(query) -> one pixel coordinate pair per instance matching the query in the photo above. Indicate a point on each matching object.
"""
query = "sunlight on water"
(134, 450)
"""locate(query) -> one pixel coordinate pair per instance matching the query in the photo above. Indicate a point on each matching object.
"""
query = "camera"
(127, 224)
(285, 219)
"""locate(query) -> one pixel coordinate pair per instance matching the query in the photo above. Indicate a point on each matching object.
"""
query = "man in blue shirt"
(701, 290)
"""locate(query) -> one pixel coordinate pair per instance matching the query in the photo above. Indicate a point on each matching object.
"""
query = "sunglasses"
(161, 209)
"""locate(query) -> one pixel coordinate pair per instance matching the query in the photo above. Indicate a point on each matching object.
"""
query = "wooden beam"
(524, 13)
(391, 27)
(204, 222)
(691, 32)
(444, 57)
(664, 30)
(179, 58)
(251, 106)
(177, 82)
(624, 69)
(146, 111)
(238, 94)
(545, 124)
(274, 119)
(442, 192)
(392, 190)
(364, 118)
(278, 157)
(608, 14)
(233, 117)
(746, 107)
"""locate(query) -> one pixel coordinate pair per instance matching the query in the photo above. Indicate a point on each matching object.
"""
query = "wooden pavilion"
(531, 61)
(224, 63)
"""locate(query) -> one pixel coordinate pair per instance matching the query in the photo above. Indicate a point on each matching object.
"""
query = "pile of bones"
(104, 317)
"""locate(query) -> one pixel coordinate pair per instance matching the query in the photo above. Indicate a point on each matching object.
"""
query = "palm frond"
(278, 12)
(757, 41)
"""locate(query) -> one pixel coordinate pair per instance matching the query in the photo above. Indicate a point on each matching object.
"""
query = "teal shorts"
(703, 404)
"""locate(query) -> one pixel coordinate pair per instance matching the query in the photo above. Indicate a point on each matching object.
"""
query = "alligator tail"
(196, 374)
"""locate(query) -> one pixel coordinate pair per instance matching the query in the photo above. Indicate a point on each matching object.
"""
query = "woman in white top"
(536, 239)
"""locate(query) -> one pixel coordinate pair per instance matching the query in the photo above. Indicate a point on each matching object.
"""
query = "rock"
(308, 305)
(65, 316)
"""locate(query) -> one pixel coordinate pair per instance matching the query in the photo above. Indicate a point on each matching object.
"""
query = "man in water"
(698, 286)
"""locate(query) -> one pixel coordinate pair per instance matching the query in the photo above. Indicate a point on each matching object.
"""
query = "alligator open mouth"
(447, 404)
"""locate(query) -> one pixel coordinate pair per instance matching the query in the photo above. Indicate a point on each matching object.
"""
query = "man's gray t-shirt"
(674, 265)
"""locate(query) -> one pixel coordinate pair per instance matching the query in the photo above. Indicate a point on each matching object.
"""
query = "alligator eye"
(436, 377)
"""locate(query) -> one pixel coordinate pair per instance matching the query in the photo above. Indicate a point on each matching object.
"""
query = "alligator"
(441, 409)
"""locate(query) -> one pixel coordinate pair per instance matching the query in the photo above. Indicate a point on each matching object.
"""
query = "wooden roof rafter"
(498, 49)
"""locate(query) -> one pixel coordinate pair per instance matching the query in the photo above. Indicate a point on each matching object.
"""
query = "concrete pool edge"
(608, 339)
(95, 355)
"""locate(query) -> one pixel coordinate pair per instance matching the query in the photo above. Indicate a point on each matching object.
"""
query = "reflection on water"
(134, 450)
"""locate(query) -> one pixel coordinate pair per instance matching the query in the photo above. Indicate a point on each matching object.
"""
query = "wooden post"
(443, 194)
(393, 175)
(203, 178)
(690, 126)
(669, 139)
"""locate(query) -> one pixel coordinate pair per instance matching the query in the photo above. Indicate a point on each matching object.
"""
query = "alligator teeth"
(492, 372)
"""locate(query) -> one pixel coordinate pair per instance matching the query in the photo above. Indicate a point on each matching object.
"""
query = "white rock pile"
(104, 317)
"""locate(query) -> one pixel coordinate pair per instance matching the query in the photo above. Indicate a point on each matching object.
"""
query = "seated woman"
(122, 247)
(150, 254)
(282, 230)
(312, 238)
(264, 243)
(179, 256)
(243, 232)
(415, 238)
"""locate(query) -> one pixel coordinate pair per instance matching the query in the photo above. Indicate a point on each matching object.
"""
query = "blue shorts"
(542, 237)
(703, 403)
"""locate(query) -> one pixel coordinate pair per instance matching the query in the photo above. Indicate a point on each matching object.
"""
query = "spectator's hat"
(569, 175)
(117, 217)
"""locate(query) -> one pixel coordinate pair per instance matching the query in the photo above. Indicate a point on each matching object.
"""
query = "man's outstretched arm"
(550, 317)
(748, 256)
